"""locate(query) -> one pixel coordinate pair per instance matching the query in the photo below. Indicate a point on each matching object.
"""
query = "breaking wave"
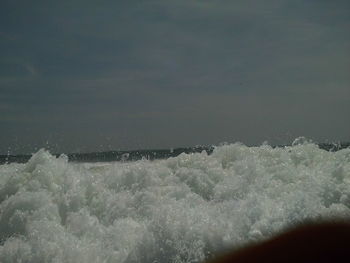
(182, 209)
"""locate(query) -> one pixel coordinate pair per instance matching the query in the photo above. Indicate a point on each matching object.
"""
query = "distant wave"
(155, 154)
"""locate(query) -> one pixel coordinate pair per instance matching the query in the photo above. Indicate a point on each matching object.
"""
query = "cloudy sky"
(83, 75)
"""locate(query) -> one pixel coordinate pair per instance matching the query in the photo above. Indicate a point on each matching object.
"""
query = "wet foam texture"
(183, 209)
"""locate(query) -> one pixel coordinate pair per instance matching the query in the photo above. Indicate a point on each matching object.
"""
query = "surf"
(187, 208)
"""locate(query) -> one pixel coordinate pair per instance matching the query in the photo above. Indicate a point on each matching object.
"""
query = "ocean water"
(178, 209)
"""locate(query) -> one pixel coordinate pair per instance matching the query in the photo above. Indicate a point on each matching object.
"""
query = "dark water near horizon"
(149, 154)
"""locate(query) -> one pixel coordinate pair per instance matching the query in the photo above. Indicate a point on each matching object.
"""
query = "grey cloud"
(170, 73)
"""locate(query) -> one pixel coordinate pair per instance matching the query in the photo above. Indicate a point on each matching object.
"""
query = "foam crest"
(182, 209)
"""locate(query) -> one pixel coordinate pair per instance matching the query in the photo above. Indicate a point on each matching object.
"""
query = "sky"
(83, 75)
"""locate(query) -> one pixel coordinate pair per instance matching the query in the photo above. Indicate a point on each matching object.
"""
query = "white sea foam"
(181, 209)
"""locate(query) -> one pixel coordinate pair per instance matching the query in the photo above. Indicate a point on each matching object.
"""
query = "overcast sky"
(99, 75)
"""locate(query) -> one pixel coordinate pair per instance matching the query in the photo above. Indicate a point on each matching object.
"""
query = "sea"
(174, 205)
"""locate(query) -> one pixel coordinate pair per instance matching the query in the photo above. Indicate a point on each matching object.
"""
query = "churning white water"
(182, 209)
